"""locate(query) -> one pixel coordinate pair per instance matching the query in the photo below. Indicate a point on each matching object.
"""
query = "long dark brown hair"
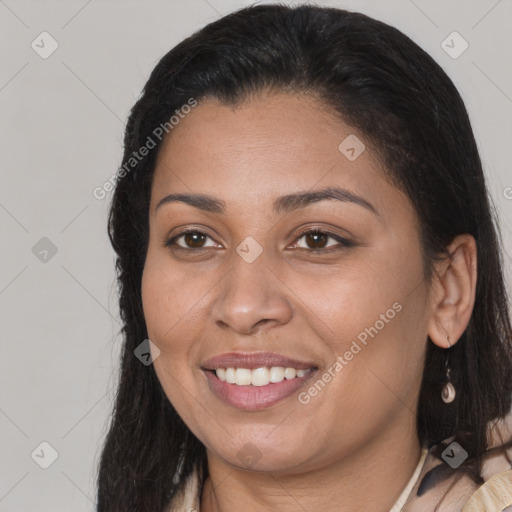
(379, 82)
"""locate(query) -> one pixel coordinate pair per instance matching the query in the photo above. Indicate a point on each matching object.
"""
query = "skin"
(355, 443)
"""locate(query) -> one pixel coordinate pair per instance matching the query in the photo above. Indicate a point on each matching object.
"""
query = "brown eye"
(194, 239)
(321, 241)
(316, 239)
(191, 239)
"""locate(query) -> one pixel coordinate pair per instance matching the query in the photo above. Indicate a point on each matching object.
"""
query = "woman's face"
(333, 285)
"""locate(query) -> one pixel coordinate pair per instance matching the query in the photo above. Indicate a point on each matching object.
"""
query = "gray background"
(61, 130)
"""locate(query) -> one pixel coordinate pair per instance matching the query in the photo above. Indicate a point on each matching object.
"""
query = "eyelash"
(344, 243)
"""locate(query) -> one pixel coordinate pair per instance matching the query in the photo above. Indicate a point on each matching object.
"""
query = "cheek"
(174, 311)
(355, 300)
(372, 316)
(169, 302)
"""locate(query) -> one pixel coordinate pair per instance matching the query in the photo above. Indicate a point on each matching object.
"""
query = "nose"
(252, 298)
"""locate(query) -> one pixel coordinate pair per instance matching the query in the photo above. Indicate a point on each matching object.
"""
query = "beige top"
(456, 493)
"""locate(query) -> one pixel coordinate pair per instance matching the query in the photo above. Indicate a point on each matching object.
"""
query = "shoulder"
(495, 494)
(447, 489)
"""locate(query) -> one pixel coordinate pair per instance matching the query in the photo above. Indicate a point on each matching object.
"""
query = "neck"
(375, 474)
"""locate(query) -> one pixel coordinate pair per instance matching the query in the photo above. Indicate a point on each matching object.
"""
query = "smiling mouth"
(259, 376)
(257, 388)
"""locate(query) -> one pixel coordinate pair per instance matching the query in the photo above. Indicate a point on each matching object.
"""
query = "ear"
(453, 292)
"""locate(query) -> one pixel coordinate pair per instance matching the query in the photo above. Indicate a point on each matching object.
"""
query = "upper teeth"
(258, 376)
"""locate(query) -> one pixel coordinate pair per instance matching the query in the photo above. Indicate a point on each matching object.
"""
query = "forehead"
(270, 143)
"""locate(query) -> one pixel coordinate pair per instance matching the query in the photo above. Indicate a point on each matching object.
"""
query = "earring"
(448, 393)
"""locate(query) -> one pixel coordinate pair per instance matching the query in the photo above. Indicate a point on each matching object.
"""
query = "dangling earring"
(448, 393)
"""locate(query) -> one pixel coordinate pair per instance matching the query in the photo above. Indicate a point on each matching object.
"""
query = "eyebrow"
(283, 204)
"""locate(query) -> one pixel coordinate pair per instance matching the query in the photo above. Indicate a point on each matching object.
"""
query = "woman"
(303, 232)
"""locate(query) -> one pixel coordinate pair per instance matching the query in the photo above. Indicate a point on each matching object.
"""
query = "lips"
(258, 395)
(252, 398)
(252, 361)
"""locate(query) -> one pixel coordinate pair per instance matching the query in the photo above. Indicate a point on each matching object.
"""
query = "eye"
(314, 240)
(191, 239)
(317, 240)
